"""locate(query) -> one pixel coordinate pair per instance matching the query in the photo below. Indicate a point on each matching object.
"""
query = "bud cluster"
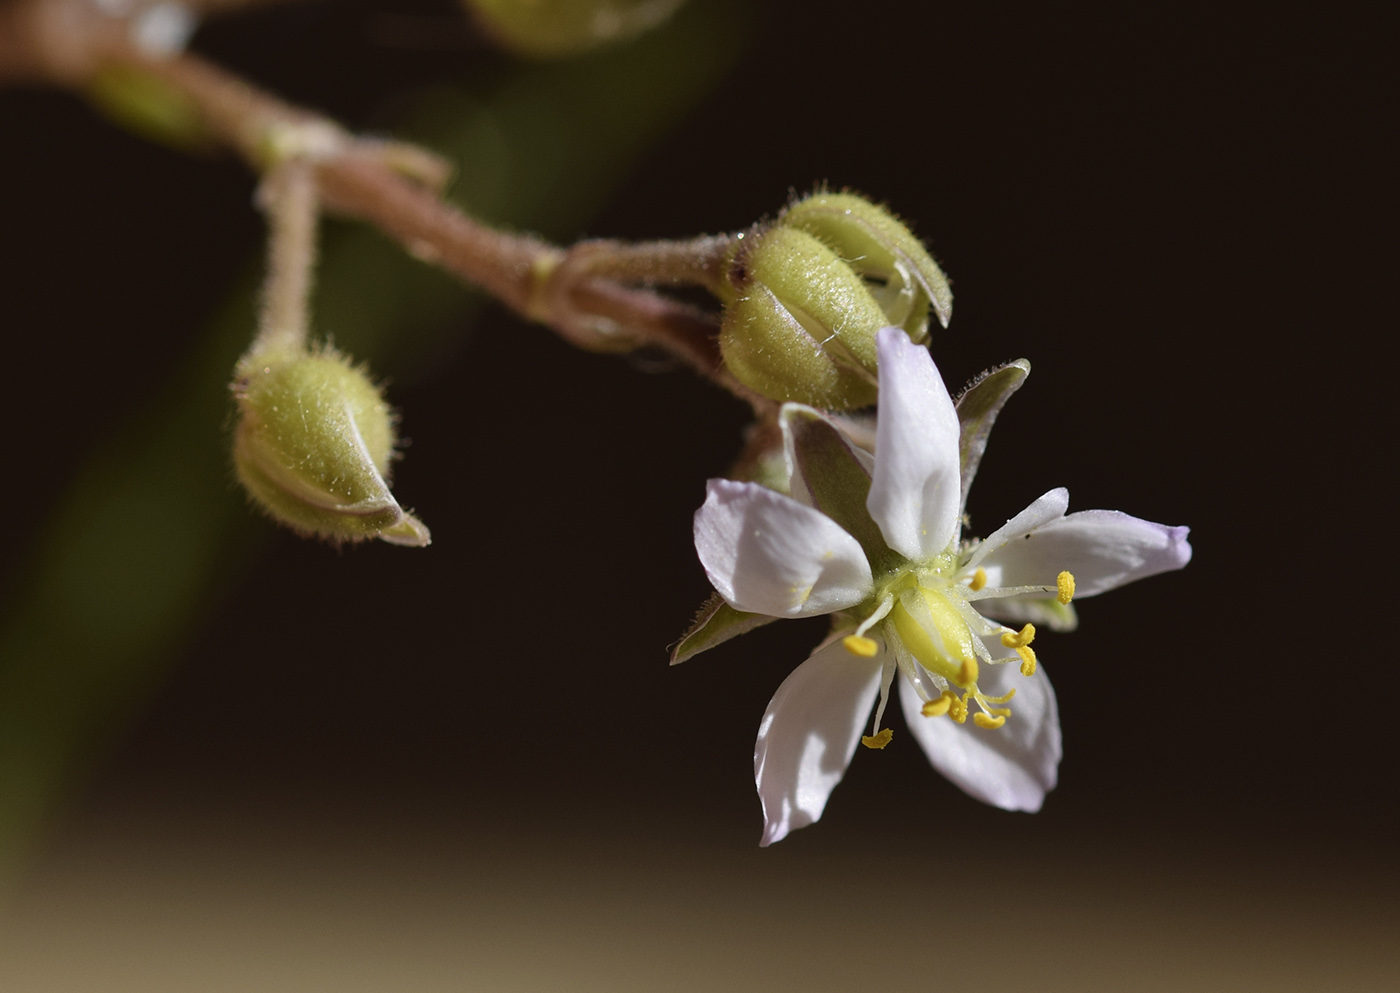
(805, 295)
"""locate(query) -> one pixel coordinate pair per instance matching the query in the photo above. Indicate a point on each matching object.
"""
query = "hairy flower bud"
(799, 323)
(902, 275)
(313, 446)
(551, 28)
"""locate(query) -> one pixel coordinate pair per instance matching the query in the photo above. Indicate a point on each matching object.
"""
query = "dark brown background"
(1171, 213)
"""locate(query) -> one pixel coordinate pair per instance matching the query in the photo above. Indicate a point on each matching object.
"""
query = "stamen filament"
(1002, 591)
(885, 605)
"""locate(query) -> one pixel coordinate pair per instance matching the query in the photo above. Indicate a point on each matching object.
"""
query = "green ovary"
(947, 648)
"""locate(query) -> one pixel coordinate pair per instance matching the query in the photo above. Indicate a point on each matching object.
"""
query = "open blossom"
(876, 543)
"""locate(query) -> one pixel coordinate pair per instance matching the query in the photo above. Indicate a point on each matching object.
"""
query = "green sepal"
(1048, 612)
(978, 408)
(715, 624)
(878, 246)
(828, 475)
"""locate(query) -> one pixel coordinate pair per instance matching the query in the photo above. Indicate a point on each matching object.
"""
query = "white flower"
(876, 543)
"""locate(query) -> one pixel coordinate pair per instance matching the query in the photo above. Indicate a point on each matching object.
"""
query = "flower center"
(935, 632)
(938, 640)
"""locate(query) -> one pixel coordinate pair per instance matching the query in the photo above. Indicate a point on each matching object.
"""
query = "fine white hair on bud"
(313, 446)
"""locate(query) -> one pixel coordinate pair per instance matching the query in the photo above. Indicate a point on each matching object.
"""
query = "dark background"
(1172, 213)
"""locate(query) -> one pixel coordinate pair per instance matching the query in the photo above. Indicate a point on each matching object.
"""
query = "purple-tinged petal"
(1011, 767)
(914, 494)
(1104, 549)
(768, 554)
(808, 735)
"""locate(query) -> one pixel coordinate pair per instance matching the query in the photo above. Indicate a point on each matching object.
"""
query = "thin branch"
(581, 294)
(288, 197)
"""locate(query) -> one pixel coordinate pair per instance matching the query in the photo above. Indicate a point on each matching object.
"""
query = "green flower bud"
(903, 276)
(799, 324)
(552, 28)
(313, 446)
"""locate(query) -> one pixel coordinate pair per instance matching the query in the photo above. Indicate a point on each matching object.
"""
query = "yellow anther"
(1000, 699)
(878, 740)
(1027, 660)
(939, 707)
(1014, 639)
(985, 721)
(1064, 584)
(967, 672)
(979, 580)
(860, 645)
(1000, 711)
(958, 709)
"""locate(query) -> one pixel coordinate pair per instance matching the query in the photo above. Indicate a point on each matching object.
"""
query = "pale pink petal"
(1043, 510)
(1103, 549)
(809, 734)
(914, 493)
(1012, 766)
(768, 554)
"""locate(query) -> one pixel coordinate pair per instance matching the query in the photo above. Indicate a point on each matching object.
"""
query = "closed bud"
(313, 447)
(552, 28)
(799, 323)
(902, 275)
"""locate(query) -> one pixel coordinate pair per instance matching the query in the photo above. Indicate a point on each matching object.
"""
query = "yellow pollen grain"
(967, 672)
(860, 645)
(878, 740)
(984, 721)
(958, 710)
(939, 707)
(979, 580)
(1014, 639)
(1064, 585)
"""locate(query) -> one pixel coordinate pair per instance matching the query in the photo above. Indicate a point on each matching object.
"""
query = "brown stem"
(69, 42)
(288, 198)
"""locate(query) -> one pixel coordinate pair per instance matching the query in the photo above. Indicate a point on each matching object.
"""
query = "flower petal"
(808, 735)
(1011, 767)
(768, 554)
(1044, 509)
(914, 494)
(1104, 549)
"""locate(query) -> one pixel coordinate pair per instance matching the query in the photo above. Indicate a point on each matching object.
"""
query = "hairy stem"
(288, 197)
(589, 295)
